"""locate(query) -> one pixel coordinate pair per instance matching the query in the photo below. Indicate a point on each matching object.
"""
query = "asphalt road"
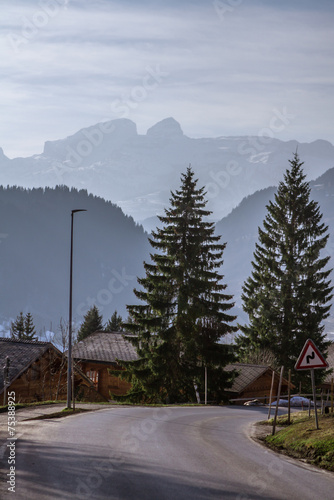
(158, 453)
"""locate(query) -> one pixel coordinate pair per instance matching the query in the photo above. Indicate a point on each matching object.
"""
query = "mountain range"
(109, 250)
(137, 172)
(121, 178)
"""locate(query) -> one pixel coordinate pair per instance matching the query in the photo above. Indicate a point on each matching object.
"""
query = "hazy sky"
(223, 67)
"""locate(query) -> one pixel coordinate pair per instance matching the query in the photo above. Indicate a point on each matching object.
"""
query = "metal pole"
(314, 399)
(73, 376)
(69, 354)
(206, 386)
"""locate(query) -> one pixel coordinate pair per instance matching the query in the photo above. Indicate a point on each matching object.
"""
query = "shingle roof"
(21, 354)
(246, 375)
(105, 347)
(330, 361)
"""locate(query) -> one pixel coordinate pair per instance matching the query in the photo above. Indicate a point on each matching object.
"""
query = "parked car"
(281, 402)
(294, 401)
(300, 401)
(253, 402)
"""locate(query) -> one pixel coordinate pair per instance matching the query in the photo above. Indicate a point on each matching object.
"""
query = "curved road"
(142, 453)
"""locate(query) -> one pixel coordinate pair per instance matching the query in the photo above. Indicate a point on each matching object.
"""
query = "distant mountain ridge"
(137, 172)
(109, 250)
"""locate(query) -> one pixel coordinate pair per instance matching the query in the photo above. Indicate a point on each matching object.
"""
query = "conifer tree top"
(186, 310)
(288, 294)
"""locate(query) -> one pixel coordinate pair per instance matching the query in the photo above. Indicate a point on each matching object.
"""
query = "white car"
(253, 402)
(294, 401)
(299, 401)
(281, 402)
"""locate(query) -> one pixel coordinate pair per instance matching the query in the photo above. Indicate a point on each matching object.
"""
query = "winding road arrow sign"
(310, 357)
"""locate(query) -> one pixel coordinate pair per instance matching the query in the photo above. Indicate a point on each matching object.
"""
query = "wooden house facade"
(97, 357)
(327, 383)
(37, 371)
(254, 382)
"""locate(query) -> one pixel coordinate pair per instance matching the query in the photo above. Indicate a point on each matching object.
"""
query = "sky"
(219, 67)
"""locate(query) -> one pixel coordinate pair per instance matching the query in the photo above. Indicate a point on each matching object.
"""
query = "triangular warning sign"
(310, 357)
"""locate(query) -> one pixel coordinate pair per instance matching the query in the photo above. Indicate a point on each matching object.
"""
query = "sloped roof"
(21, 353)
(105, 347)
(247, 374)
(330, 361)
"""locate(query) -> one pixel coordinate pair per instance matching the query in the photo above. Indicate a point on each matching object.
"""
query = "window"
(94, 376)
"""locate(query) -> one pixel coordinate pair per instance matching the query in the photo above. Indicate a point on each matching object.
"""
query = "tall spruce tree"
(23, 327)
(288, 294)
(29, 327)
(17, 327)
(185, 310)
(92, 323)
(115, 324)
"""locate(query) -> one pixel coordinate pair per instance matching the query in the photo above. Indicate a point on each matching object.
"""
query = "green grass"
(302, 440)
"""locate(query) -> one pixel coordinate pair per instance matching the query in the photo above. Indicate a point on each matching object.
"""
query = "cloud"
(224, 74)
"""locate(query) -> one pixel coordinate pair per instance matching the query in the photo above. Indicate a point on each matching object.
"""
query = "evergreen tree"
(29, 328)
(23, 327)
(115, 323)
(92, 323)
(185, 312)
(288, 295)
(17, 327)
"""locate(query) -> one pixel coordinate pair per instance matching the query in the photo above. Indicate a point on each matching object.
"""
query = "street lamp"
(69, 352)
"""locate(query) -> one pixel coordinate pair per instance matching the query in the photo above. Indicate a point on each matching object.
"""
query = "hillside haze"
(109, 249)
(137, 172)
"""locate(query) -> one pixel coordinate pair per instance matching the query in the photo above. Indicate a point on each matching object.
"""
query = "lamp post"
(69, 356)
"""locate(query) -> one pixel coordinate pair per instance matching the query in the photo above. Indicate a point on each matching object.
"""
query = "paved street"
(158, 453)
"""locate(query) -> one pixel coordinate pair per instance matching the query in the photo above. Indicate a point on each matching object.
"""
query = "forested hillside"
(109, 249)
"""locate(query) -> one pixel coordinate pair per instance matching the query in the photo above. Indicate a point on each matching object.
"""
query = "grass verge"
(302, 440)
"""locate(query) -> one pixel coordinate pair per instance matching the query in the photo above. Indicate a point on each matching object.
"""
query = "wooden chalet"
(326, 384)
(97, 356)
(254, 381)
(38, 372)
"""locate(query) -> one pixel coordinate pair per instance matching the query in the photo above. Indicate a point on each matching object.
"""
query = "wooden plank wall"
(46, 379)
(108, 385)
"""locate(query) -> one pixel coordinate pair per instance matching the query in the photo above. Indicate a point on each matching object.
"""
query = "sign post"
(314, 399)
(311, 358)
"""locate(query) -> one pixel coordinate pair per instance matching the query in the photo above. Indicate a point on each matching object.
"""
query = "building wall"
(46, 379)
(106, 384)
(261, 389)
(41, 381)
